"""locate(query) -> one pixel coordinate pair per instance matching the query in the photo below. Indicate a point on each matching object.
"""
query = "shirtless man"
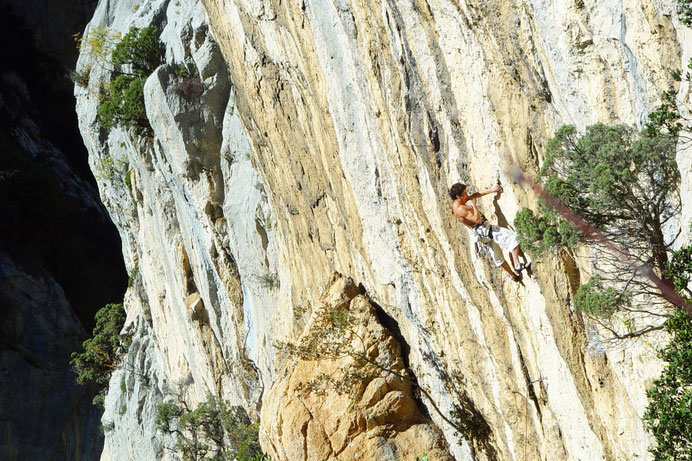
(489, 236)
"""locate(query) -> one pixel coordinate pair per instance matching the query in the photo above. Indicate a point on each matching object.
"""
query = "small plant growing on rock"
(270, 281)
(103, 351)
(189, 86)
(181, 71)
(107, 168)
(132, 276)
(97, 44)
(212, 431)
(81, 77)
(131, 59)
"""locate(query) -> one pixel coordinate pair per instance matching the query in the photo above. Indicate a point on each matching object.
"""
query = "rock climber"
(488, 236)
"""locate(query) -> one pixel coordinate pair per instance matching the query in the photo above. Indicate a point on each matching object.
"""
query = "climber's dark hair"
(457, 189)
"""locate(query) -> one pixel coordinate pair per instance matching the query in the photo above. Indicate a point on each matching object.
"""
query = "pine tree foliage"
(134, 58)
(214, 430)
(685, 11)
(103, 351)
(669, 414)
(621, 182)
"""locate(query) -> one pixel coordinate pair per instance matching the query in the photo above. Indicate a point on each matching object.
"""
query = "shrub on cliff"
(103, 351)
(685, 11)
(134, 58)
(124, 104)
(621, 182)
(212, 431)
(130, 60)
(669, 414)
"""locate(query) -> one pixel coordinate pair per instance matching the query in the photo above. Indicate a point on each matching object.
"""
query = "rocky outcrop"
(342, 408)
(195, 228)
(321, 139)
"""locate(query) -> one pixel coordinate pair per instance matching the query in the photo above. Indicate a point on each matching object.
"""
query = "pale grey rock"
(195, 210)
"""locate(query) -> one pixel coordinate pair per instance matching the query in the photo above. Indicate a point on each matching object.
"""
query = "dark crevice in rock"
(529, 384)
(265, 239)
(47, 227)
(391, 325)
(54, 231)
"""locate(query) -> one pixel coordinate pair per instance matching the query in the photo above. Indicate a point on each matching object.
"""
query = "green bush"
(539, 233)
(598, 300)
(140, 49)
(132, 276)
(124, 105)
(134, 57)
(669, 414)
(103, 351)
(212, 431)
(685, 11)
(181, 71)
(609, 176)
(679, 269)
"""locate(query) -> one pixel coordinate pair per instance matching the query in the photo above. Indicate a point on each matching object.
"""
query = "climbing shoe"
(522, 267)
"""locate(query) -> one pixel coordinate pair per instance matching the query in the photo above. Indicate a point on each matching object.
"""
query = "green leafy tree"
(624, 185)
(139, 49)
(133, 58)
(599, 300)
(679, 270)
(669, 414)
(212, 431)
(124, 104)
(103, 351)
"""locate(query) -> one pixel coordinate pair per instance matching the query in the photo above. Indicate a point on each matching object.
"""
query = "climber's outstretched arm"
(496, 188)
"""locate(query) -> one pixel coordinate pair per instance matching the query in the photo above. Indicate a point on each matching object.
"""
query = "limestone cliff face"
(321, 140)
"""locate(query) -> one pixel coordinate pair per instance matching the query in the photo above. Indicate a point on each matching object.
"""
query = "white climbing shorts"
(488, 239)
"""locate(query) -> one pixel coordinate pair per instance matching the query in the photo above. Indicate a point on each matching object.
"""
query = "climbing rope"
(526, 416)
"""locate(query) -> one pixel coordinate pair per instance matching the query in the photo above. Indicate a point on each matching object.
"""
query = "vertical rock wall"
(376, 108)
(323, 140)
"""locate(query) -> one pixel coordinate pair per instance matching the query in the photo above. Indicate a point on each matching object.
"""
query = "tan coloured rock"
(375, 417)
(362, 113)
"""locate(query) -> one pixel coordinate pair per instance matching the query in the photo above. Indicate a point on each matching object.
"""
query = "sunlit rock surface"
(322, 139)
